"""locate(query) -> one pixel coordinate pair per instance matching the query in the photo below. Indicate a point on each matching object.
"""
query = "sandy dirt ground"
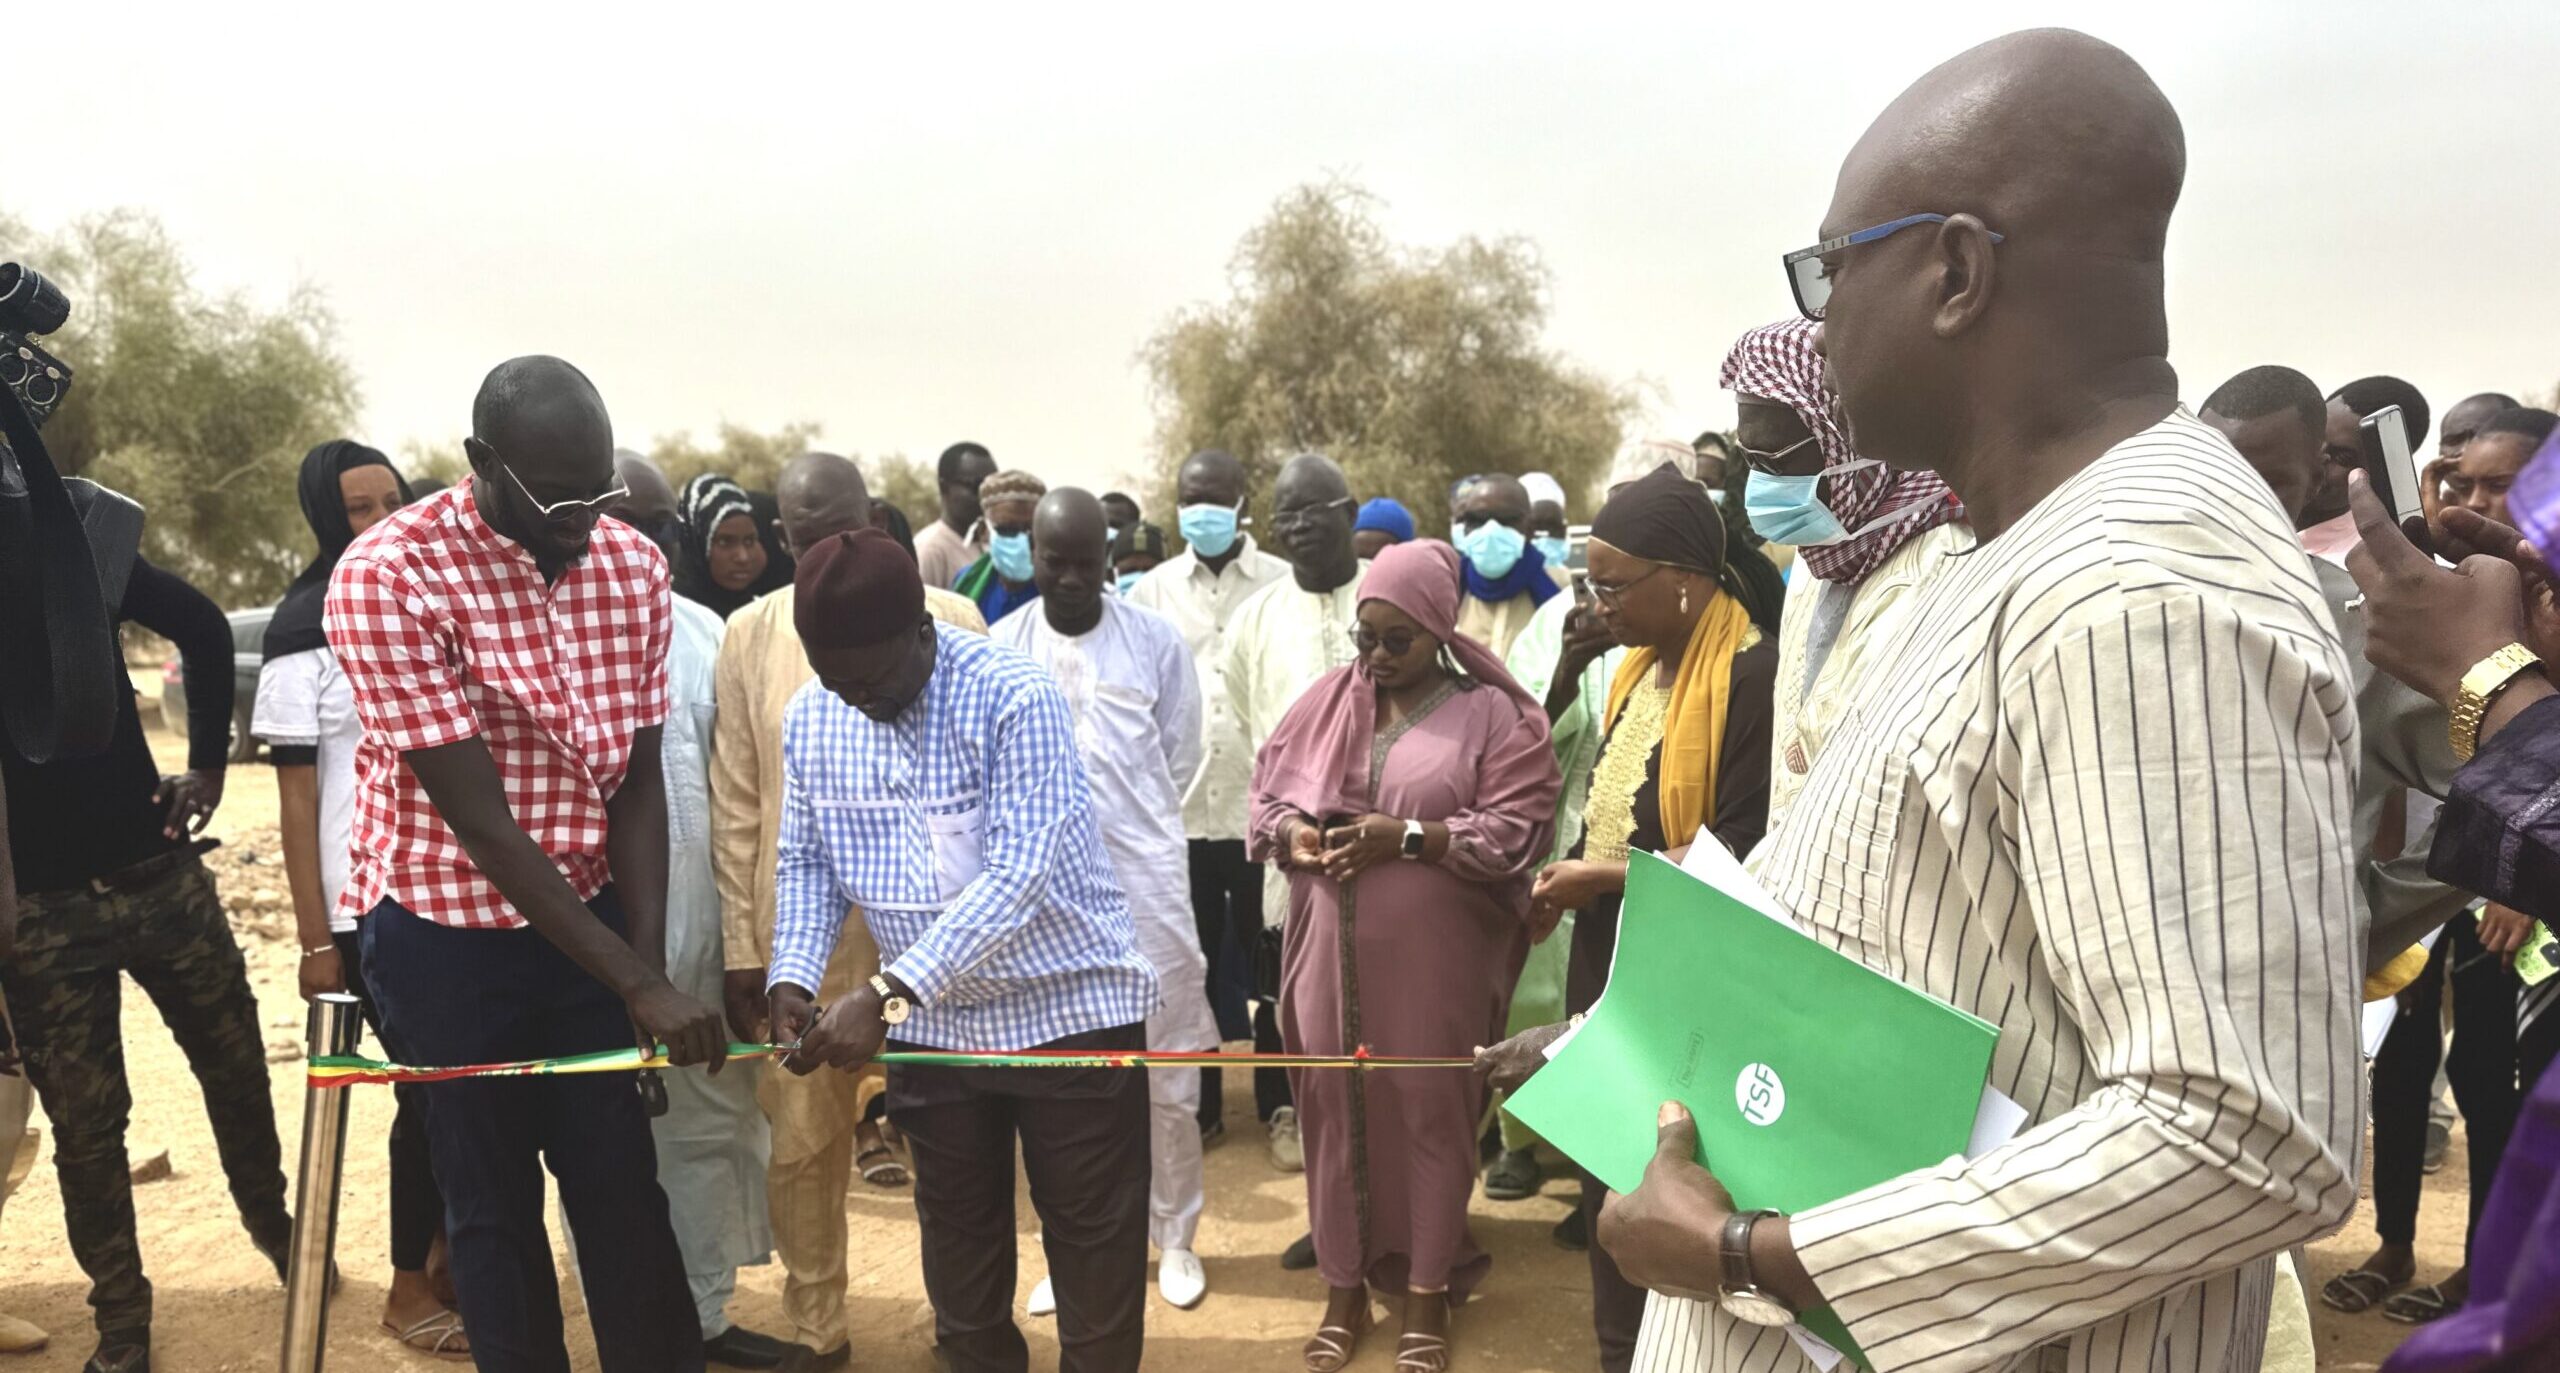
(219, 1307)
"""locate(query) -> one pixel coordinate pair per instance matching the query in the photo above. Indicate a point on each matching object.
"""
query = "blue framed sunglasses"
(1812, 284)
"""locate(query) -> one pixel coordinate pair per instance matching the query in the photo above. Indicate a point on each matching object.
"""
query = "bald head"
(537, 395)
(541, 445)
(648, 497)
(1210, 478)
(1496, 496)
(818, 496)
(1070, 558)
(1936, 336)
(1309, 479)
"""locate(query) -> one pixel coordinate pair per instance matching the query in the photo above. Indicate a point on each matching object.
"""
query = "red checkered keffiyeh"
(446, 631)
(1777, 362)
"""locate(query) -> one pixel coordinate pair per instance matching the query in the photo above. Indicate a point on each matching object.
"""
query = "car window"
(249, 629)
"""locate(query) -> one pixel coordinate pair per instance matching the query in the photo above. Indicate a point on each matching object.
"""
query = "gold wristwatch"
(2480, 686)
(894, 1008)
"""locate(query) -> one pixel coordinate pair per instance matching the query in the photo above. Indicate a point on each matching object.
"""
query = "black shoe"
(800, 1358)
(126, 1351)
(278, 1248)
(1300, 1255)
(1211, 1132)
(1571, 1232)
(739, 1347)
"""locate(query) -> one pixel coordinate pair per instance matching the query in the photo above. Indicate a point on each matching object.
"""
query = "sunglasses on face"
(1809, 276)
(1397, 642)
(1768, 462)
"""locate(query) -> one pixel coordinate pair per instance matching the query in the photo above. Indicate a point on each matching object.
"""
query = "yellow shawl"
(1693, 727)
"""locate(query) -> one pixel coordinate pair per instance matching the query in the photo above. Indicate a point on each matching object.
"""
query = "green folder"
(1811, 1076)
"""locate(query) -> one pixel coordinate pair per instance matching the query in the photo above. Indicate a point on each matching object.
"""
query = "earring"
(1684, 600)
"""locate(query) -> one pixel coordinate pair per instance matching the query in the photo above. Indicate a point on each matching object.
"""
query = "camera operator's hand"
(191, 798)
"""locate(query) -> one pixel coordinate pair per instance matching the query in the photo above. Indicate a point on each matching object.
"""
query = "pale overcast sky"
(914, 224)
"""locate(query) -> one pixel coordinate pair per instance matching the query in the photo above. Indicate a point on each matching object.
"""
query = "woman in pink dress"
(1409, 796)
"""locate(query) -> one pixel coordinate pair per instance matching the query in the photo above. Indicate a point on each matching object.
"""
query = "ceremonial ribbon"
(328, 1071)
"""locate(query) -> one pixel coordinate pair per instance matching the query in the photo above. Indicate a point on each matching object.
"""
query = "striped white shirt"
(2104, 801)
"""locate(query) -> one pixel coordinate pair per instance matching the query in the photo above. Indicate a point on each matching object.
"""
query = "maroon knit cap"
(856, 589)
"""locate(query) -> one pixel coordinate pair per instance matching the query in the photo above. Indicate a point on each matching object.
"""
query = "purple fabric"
(2534, 500)
(2512, 1322)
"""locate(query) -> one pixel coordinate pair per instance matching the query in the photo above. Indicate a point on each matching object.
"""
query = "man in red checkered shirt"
(508, 655)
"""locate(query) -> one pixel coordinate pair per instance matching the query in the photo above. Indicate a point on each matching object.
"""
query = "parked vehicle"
(248, 640)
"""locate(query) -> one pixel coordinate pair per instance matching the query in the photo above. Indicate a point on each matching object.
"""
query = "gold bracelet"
(2480, 686)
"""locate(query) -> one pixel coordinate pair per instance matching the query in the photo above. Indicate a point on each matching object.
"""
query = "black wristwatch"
(1741, 1298)
(1413, 839)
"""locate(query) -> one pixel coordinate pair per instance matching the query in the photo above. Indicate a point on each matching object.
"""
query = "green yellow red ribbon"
(353, 1072)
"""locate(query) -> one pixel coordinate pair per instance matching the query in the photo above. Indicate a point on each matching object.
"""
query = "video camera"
(29, 306)
(66, 547)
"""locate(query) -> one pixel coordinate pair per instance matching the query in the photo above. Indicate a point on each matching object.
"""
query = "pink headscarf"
(1317, 762)
(1777, 362)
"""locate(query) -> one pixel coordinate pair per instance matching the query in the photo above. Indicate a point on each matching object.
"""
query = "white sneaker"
(1181, 1279)
(1044, 1300)
(1287, 1154)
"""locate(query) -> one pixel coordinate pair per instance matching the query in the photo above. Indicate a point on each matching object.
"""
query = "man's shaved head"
(1211, 477)
(818, 496)
(650, 497)
(540, 437)
(1496, 496)
(2061, 145)
(1070, 558)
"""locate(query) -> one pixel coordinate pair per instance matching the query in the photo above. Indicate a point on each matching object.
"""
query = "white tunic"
(1137, 708)
(1201, 604)
(304, 701)
(2101, 796)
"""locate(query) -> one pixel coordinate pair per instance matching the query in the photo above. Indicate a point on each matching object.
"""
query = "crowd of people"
(2141, 732)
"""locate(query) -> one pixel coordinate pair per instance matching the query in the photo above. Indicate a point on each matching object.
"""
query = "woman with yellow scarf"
(1686, 755)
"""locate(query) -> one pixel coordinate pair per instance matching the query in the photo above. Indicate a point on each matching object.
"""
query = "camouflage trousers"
(65, 993)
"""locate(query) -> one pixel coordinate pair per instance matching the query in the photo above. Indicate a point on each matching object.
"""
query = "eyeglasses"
(1291, 521)
(1614, 597)
(1768, 462)
(1810, 278)
(556, 509)
(1397, 642)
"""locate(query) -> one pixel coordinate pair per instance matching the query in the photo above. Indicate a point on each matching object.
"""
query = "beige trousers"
(813, 1121)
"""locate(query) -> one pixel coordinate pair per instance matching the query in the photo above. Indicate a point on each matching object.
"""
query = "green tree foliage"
(907, 484)
(199, 406)
(1412, 367)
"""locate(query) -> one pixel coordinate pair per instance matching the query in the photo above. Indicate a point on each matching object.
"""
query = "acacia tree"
(1411, 367)
(199, 406)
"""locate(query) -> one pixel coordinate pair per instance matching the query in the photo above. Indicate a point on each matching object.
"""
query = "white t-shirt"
(304, 701)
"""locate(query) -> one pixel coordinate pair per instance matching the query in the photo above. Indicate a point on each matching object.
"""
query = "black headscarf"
(704, 503)
(892, 521)
(296, 627)
(778, 566)
(1664, 517)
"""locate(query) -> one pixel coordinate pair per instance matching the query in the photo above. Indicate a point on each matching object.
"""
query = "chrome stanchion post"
(315, 1212)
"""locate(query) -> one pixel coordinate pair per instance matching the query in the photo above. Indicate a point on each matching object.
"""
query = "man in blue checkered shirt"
(935, 783)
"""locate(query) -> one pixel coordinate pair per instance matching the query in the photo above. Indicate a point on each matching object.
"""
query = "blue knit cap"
(1387, 517)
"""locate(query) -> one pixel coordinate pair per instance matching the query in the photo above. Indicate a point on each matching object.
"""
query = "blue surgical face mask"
(1129, 582)
(1012, 555)
(1209, 529)
(1789, 510)
(1493, 548)
(1553, 549)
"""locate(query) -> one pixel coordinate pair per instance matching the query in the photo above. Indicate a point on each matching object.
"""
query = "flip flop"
(1513, 1177)
(436, 1336)
(2419, 1305)
(2356, 1290)
(888, 1173)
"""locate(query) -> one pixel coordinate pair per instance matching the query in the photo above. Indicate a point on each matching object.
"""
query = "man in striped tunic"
(2103, 801)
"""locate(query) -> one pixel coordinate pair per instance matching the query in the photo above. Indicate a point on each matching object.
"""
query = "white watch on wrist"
(1413, 839)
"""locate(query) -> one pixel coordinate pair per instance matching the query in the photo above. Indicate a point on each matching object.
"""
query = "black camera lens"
(29, 304)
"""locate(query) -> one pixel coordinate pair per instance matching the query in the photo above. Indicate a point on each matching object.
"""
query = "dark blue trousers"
(452, 996)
